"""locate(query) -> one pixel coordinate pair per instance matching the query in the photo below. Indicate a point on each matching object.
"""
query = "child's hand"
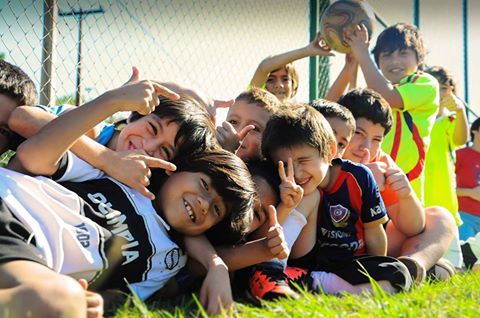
(290, 193)
(452, 103)
(275, 239)
(357, 39)
(398, 182)
(229, 138)
(94, 301)
(216, 293)
(133, 169)
(319, 47)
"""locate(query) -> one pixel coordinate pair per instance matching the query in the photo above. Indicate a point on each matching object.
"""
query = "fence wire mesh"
(214, 45)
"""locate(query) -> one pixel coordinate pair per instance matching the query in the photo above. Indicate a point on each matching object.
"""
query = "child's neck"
(112, 143)
(476, 146)
(331, 177)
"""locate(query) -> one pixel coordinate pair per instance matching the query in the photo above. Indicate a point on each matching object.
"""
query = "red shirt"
(467, 169)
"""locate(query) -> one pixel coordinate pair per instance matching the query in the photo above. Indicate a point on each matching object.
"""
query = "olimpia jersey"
(440, 167)
(352, 202)
(407, 143)
(90, 226)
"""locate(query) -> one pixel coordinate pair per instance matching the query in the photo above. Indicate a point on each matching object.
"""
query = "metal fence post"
(50, 14)
(319, 66)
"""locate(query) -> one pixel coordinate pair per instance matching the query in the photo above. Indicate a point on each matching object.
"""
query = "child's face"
(190, 203)
(280, 84)
(309, 168)
(342, 132)
(150, 133)
(367, 136)
(7, 106)
(266, 197)
(242, 114)
(398, 64)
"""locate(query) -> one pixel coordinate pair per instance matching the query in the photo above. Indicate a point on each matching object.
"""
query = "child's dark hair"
(299, 125)
(400, 36)
(368, 104)
(331, 109)
(261, 98)
(443, 76)
(230, 179)
(474, 127)
(16, 84)
(266, 170)
(196, 132)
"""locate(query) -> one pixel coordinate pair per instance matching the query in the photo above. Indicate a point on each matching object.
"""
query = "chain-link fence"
(214, 45)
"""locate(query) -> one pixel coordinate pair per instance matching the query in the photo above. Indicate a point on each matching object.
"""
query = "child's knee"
(59, 296)
(441, 217)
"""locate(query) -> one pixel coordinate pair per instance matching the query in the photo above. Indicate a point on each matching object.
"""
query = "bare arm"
(278, 61)
(408, 215)
(375, 80)
(473, 193)
(343, 80)
(41, 153)
(460, 133)
(376, 238)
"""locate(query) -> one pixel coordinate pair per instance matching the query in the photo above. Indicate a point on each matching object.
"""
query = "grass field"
(459, 297)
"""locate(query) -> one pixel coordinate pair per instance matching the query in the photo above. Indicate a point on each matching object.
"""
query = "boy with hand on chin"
(417, 236)
(343, 210)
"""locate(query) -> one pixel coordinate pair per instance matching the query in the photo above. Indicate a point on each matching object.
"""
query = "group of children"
(326, 196)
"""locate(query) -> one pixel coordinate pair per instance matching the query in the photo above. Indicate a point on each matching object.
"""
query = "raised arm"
(460, 133)
(275, 62)
(344, 80)
(359, 42)
(41, 153)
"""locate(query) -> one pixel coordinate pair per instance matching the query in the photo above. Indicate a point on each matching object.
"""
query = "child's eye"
(233, 122)
(341, 145)
(205, 184)
(166, 153)
(217, 210)
(153, 128)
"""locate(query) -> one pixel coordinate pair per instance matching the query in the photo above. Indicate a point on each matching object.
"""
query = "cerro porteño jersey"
(87, 225)
(345, 208)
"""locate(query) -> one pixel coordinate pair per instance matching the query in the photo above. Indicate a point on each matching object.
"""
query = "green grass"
(458, 297)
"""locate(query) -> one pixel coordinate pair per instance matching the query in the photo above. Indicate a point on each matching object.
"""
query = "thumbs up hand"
(275, 239)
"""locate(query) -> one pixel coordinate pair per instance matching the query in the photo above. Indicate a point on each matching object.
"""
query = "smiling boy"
(413, 95)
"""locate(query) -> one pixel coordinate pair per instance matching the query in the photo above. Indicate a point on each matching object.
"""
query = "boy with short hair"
(416, 235)
(340, 119)
(341, 204)
(413, 95)
(16, 89)
(246, 119)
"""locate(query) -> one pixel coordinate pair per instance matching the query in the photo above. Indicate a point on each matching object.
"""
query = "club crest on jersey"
(339, 215)
(172, 258)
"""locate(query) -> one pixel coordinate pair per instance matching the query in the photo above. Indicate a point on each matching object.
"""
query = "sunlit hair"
(299, 125)
(230, 179)
(17, 85)
(368, 104)
(331, 109)
(293, 74)
(443, 76)
(399, 37)
(261, 98)
(196, 132)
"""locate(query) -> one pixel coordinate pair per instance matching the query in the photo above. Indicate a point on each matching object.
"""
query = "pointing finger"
(291, 173)
(244, 132)
(163, 91)
(153, 162)
(281, 171)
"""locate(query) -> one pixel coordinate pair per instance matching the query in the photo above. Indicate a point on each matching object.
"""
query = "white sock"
(330, 283)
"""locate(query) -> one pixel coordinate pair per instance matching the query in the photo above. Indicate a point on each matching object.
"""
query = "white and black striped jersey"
(87, 225)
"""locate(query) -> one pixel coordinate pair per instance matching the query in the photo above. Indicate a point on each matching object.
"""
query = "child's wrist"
(217, 263)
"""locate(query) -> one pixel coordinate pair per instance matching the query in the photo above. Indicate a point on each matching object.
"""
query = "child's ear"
(332, 149)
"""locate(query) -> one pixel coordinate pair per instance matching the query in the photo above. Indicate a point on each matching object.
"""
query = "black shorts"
(16, 240)
(354, 270)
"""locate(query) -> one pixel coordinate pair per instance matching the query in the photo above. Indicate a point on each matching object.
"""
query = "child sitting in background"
(467, 170)
(341, 204)
(242, 130)
(418, 236)
(278, 75)
(340, 119)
